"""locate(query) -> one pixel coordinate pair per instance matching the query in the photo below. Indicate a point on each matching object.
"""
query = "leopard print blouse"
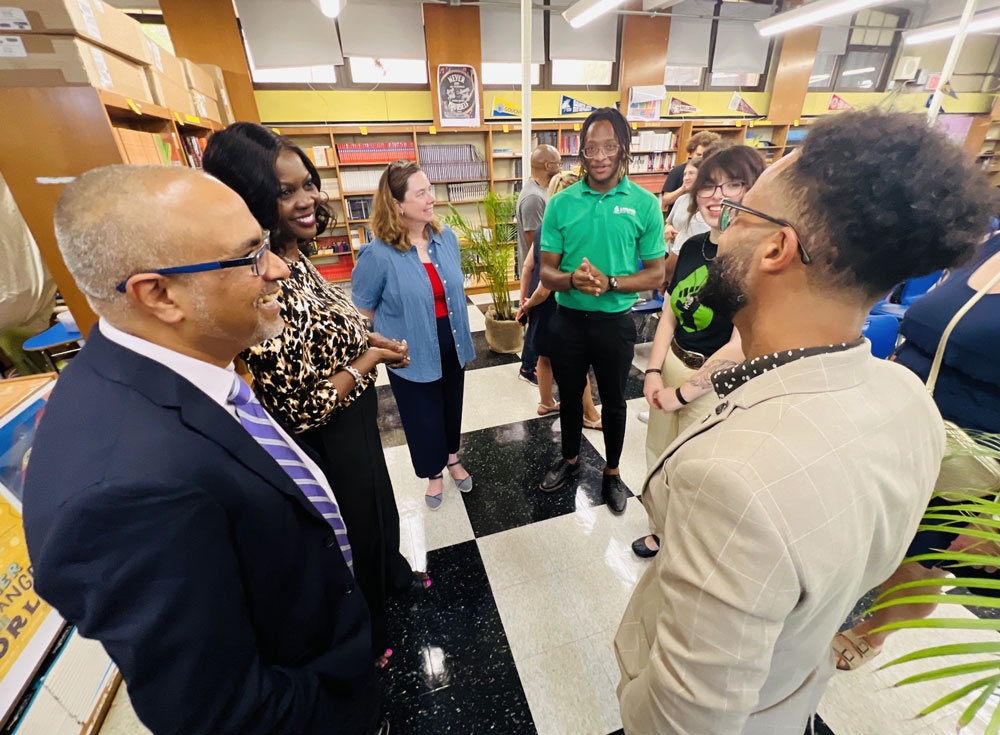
(323, 333)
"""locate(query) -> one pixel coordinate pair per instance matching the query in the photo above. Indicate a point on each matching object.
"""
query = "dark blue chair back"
(881, 330)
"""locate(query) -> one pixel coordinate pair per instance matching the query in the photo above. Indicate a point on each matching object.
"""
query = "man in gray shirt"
(545, 163)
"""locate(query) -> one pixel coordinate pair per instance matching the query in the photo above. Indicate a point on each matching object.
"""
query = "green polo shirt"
(614, 231)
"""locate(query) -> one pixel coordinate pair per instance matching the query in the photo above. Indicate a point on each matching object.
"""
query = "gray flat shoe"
(464, 485)
(434, 501)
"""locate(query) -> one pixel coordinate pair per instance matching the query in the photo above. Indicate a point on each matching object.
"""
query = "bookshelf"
(988, 156)
(59, 133)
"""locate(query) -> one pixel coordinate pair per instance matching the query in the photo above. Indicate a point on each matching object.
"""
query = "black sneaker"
(614, 493)
(561, 473)
(531, 377)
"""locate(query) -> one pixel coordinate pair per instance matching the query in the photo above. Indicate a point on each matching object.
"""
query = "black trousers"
(581, 340)
(431, 413)
(351, 450)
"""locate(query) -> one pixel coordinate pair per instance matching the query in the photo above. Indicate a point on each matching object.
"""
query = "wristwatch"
(612, 283)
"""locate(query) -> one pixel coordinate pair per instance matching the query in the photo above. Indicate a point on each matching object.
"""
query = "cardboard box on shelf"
(57, 61)
(169, 94)
(165, 63)
(93, 20)
(205, 106)
(221, 96)
(198, 80)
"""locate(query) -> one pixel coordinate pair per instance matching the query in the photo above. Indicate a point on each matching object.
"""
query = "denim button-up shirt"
(397, 288)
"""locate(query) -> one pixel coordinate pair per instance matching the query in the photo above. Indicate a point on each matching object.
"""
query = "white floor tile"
(494, 396)
(420, 528)
(477, 321)
(568, 691)
(641, 357)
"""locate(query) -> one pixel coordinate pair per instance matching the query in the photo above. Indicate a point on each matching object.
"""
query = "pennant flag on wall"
(679, 107)
(736, 102)
(505, 108)
(570, 106)
(839, 103)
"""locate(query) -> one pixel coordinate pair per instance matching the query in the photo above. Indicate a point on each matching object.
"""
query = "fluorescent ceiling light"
(853, 72)
(330, 8)
(811, 14)
(818, 78)
(939, 32)
(580, 13)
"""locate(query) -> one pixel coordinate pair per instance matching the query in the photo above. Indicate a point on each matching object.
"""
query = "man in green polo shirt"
(593, 236)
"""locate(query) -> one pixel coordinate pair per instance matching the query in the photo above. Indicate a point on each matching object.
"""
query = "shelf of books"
(988, 156)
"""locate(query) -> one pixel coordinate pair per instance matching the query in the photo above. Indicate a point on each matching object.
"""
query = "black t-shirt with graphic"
(699, 329)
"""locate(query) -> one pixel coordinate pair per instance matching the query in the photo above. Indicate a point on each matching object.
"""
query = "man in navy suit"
(158, 519)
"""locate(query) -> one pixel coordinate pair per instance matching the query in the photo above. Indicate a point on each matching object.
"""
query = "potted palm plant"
(487, 249)
(983, 512)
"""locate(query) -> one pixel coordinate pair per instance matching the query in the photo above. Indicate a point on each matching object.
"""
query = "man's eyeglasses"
(255, 260)
(729, 189)
(731, 209)
(593, 151)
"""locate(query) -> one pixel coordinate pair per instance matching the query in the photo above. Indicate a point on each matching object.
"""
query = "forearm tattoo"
(703, 378)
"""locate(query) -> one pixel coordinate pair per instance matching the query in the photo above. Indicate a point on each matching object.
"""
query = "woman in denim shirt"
(409, 278)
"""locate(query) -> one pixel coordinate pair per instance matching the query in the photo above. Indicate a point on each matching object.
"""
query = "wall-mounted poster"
(458, 96)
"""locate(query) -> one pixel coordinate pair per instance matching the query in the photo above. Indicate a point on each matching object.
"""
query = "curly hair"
(740, 162)
(243, 157)
(705, 138)
(881, 198)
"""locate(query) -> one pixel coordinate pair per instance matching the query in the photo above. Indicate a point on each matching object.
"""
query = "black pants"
(431, 413)
(606, 342)
(351, 449)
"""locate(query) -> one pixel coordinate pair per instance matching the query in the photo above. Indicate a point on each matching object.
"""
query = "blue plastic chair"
(912, 290)
(882, 331)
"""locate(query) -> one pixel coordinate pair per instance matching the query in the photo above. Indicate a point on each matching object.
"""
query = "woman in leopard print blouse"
(318, 376)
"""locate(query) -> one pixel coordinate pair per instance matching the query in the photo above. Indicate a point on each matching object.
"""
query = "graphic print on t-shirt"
(691, 315)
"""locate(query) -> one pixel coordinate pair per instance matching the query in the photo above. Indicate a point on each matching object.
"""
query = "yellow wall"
(307, 106)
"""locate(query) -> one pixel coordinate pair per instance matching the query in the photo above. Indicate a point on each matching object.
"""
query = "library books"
(361, 179)
(195, 149)
(333, 245)
(73, 695)
(331, 187)
(546, 137)
(570, 144)
(359, 208)
(442, 163)
(140, 147)
(376, 152)
(648, 141)
(651, 163)
(444, 172)
(320, 155)
(467, 191)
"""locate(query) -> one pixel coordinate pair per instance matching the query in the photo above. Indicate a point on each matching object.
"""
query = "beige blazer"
(776, 513)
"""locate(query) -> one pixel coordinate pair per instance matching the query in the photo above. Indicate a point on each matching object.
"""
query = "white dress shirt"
(213, 381)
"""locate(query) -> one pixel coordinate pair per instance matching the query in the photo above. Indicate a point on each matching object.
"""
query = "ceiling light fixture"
(854, 72)
(580, 13)
(941, 31)
(330, 8)
(811, 14)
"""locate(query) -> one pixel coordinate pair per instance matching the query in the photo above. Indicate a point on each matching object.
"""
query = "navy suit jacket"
(161, 528)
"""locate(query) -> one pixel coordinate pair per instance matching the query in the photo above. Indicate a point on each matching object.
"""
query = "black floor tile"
(452, 670)
(485, 357)
(389, 425)
(509, 462)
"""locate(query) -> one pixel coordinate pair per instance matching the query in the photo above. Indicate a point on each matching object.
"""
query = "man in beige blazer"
(802, 490)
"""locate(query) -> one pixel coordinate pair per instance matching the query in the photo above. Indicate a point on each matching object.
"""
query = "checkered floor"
(515, 636)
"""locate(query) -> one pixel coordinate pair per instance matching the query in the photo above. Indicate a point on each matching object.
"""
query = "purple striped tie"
(257, 422)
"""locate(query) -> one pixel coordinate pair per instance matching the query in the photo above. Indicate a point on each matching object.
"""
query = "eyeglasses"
(729, 189)
(593, 151)
(255, 260)
(731, 209)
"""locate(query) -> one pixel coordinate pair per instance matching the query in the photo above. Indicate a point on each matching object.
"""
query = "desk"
(55, 336)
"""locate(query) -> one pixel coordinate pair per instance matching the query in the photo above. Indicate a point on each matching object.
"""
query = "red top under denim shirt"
(440, 305)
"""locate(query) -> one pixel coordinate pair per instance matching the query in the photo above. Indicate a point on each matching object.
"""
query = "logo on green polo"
(691, 316)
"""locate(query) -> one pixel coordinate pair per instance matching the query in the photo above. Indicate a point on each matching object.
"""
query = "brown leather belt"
(693, 360)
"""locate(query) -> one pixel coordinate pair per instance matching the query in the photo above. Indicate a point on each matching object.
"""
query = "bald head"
(115, 221)
(545, 163)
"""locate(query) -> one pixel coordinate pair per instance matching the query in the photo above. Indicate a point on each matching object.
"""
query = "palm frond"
(488, 245)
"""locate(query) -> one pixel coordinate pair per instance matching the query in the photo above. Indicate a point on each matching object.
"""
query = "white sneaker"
(644, 417)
